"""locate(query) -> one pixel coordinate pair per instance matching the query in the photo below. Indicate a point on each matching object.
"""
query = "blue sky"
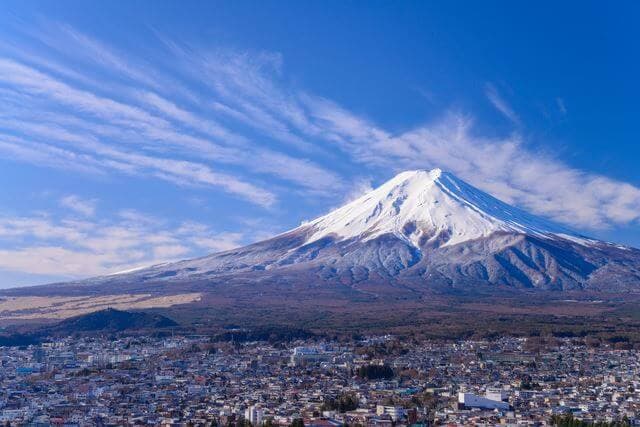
(138, 132)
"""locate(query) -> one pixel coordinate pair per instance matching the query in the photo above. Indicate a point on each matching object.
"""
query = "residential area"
(368, 381)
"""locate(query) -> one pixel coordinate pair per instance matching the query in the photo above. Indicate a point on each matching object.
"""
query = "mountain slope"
(420, 231)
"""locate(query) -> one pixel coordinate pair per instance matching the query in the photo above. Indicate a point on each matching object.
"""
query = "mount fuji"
(420, 228)
(420, 233)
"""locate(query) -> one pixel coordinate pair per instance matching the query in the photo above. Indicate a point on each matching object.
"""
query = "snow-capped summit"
(423, 206)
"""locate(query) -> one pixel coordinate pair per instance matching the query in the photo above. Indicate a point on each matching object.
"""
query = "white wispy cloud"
(104, 158)
(88, 47)
(358, 189)
(46, 245)
(562, 108)
(133, 122)
(500, 103)
(48, 156)
(82, 206)
(220, 242)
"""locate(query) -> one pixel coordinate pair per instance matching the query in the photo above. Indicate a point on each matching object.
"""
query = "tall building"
(395, 412)
(254, 415)
(496, 393)
(39, 355)
(302, 356)
(470, 400)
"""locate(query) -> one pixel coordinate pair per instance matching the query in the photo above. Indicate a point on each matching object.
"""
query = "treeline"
(103, 321)
(593, 331)
(568, 420)
(375, 372)
(343, 403)
(19, 340)
(273, 334)
(243, 422)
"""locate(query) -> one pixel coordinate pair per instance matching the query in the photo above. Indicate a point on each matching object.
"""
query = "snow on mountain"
(421, 206)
